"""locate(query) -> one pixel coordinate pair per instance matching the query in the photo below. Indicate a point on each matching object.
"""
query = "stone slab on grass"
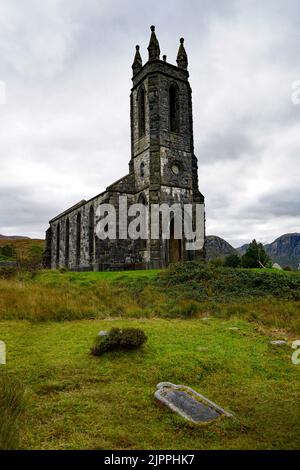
(188, 403)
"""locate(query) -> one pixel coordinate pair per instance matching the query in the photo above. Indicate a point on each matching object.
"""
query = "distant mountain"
(13, 237)
(217, 247)
(285, 250)
(242, 249)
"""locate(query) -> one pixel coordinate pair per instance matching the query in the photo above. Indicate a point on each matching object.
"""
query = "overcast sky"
(65, 134)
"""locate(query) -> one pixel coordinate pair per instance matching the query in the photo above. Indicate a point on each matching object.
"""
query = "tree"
(7, 251)
(232, 261)
(256, 257)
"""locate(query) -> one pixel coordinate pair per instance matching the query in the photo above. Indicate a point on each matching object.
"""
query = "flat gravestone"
(188, 403)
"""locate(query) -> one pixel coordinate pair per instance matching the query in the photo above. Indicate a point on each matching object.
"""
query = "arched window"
(91, 234)
(174, 108)
(57, 243)
(142, 170)
(67, 256)
(143, 200)
(175, 251)
(78, 237)
(141, 111)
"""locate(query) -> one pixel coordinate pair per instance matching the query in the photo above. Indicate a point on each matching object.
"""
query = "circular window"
(175, 169)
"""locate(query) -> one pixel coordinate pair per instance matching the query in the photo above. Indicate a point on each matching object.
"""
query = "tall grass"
(12, 404)
(182, 292)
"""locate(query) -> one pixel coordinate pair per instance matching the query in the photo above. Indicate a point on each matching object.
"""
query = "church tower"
(162, 144)
(162, 170)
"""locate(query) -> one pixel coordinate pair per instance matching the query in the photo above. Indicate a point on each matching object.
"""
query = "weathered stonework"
(161, 139)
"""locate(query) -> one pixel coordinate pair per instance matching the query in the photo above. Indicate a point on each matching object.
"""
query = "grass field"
(77, 401)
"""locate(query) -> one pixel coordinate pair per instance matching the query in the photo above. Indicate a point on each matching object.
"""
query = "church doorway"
(175, 249)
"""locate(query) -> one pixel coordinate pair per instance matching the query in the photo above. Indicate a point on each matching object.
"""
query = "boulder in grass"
(117, 339)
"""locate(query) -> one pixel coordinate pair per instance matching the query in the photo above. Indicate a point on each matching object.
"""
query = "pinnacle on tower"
(182, 60)
(153, 48)
(137, 63)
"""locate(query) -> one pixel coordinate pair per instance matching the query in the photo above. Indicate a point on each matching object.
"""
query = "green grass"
(77, 401)
(187, 291)
(54, 277)
(12, 405)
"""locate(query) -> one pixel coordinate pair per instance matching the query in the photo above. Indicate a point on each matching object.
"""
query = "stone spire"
(153, 48)
(137, 63)
(182, 60)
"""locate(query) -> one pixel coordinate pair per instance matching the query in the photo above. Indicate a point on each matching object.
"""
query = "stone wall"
(158, 151)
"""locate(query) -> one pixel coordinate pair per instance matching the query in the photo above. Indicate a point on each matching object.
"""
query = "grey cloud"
(283, 203)
(67, 66)
(227, 144)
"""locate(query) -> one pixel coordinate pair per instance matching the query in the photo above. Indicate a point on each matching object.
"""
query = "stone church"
(162, 169)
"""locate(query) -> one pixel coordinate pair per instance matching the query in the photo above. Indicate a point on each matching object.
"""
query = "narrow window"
(174, 108)
(142, 170)
(91, 234)
(57, 243)
(143, 242)
(141, 112)
(67, 242)
(78, 237)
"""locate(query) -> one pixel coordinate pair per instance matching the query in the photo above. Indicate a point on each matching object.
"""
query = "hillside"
(13, 237)
(21, 248)
(217, 247)
(285, 250)
(242, 249)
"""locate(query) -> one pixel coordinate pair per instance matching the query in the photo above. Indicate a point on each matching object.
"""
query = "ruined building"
(162, 169)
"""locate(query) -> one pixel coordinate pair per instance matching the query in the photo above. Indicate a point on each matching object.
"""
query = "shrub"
(117, 339)
(11, 408)
(7, 251)
(232, 261)
(217, 262)
(199, 283)
(8, 272)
